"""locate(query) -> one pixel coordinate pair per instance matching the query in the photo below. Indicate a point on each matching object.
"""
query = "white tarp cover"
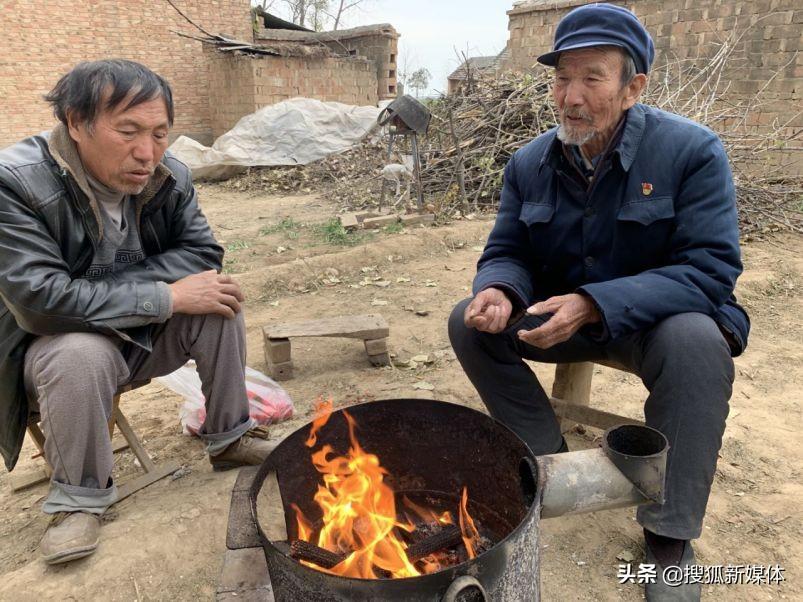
(293, 132)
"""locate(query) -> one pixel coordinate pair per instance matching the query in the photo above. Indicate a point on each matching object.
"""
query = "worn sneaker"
(250, 449)
(69, 536)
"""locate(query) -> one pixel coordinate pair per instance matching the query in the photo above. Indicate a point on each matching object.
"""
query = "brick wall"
(692, 29)
(383, 51)
(377, 43)
(239, 84)
(41, 43)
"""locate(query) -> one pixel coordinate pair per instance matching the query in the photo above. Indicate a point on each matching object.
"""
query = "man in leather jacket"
(109, 274)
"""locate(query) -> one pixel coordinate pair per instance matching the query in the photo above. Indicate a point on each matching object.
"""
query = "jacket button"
(147, 306)
(589, 262)
(589, 212)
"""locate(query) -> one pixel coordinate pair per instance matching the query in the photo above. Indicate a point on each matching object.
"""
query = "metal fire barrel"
(435, 448)
(427, 447)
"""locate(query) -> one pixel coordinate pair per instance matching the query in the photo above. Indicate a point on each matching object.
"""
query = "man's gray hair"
(628, 67)
(80, 92)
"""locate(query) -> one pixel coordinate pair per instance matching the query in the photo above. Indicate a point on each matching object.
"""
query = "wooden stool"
(371, 328)
(571, 397)
(153, 472)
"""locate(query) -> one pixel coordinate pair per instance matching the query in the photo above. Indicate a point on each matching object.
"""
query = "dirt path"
(167, 541)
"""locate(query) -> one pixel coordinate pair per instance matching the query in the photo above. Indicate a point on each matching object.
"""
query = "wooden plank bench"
(152, 471)
(372, 329)
(571, 397)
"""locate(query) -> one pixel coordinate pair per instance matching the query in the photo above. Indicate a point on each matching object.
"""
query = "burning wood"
(360, 519)
(448, 537)
(309, 552)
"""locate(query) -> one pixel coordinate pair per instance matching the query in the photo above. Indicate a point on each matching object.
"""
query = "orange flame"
(323, 409)
(428, 515)
(471, 536)
(359, 512)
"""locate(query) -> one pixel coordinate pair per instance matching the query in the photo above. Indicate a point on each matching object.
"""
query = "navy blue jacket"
(655, 234)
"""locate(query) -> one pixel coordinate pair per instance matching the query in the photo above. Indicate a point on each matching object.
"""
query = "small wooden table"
(371, 328)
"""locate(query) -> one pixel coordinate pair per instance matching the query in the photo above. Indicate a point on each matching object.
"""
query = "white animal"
(397, 172)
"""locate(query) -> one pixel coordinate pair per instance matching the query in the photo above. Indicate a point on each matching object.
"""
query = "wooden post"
(573, 384)
(417, 173)
(384, 182)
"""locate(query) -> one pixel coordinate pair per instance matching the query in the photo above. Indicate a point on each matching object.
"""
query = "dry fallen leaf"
(625, 556)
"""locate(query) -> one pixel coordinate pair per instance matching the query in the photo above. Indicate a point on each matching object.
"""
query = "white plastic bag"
(268, 402)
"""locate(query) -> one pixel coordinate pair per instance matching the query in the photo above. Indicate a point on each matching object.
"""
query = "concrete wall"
(43, 41)
(239, 85)
(692, 29)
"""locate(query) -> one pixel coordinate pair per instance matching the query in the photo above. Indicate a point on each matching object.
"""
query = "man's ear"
(77, 128)
(633, 91)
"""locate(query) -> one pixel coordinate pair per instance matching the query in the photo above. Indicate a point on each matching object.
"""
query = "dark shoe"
(69, 536)
(678, 589)
(249, 450)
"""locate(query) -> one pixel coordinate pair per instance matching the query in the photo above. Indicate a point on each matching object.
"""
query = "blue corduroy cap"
(602, 25)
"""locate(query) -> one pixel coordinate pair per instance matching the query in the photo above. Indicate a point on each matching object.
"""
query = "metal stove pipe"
(628, 470)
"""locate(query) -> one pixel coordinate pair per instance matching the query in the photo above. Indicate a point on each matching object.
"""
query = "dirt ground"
(167, 541)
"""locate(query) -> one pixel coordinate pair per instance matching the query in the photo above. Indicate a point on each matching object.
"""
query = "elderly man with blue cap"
(616, 239)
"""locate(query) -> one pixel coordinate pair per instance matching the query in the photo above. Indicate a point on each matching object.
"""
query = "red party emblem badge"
(646, 188)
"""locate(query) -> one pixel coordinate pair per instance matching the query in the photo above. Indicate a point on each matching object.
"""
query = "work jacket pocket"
(647, 211)
(536, 213)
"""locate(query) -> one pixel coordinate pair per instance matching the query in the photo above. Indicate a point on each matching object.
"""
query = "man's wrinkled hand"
(569, 314)
(207, 293)
(489, 311)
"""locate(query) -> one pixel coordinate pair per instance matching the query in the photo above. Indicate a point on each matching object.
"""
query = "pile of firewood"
(473, 135)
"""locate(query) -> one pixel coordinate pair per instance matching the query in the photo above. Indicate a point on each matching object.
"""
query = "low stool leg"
(573, 384)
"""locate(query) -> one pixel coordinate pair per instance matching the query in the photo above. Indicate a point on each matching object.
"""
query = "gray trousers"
(683, 361)
(72, 379)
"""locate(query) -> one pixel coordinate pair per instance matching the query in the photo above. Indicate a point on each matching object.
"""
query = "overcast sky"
(431, 30)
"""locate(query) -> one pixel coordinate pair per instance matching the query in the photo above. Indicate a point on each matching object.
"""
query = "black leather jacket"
(49, 227)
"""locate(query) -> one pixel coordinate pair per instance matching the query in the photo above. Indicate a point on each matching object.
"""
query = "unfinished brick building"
(354, 66)
(212, 89)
